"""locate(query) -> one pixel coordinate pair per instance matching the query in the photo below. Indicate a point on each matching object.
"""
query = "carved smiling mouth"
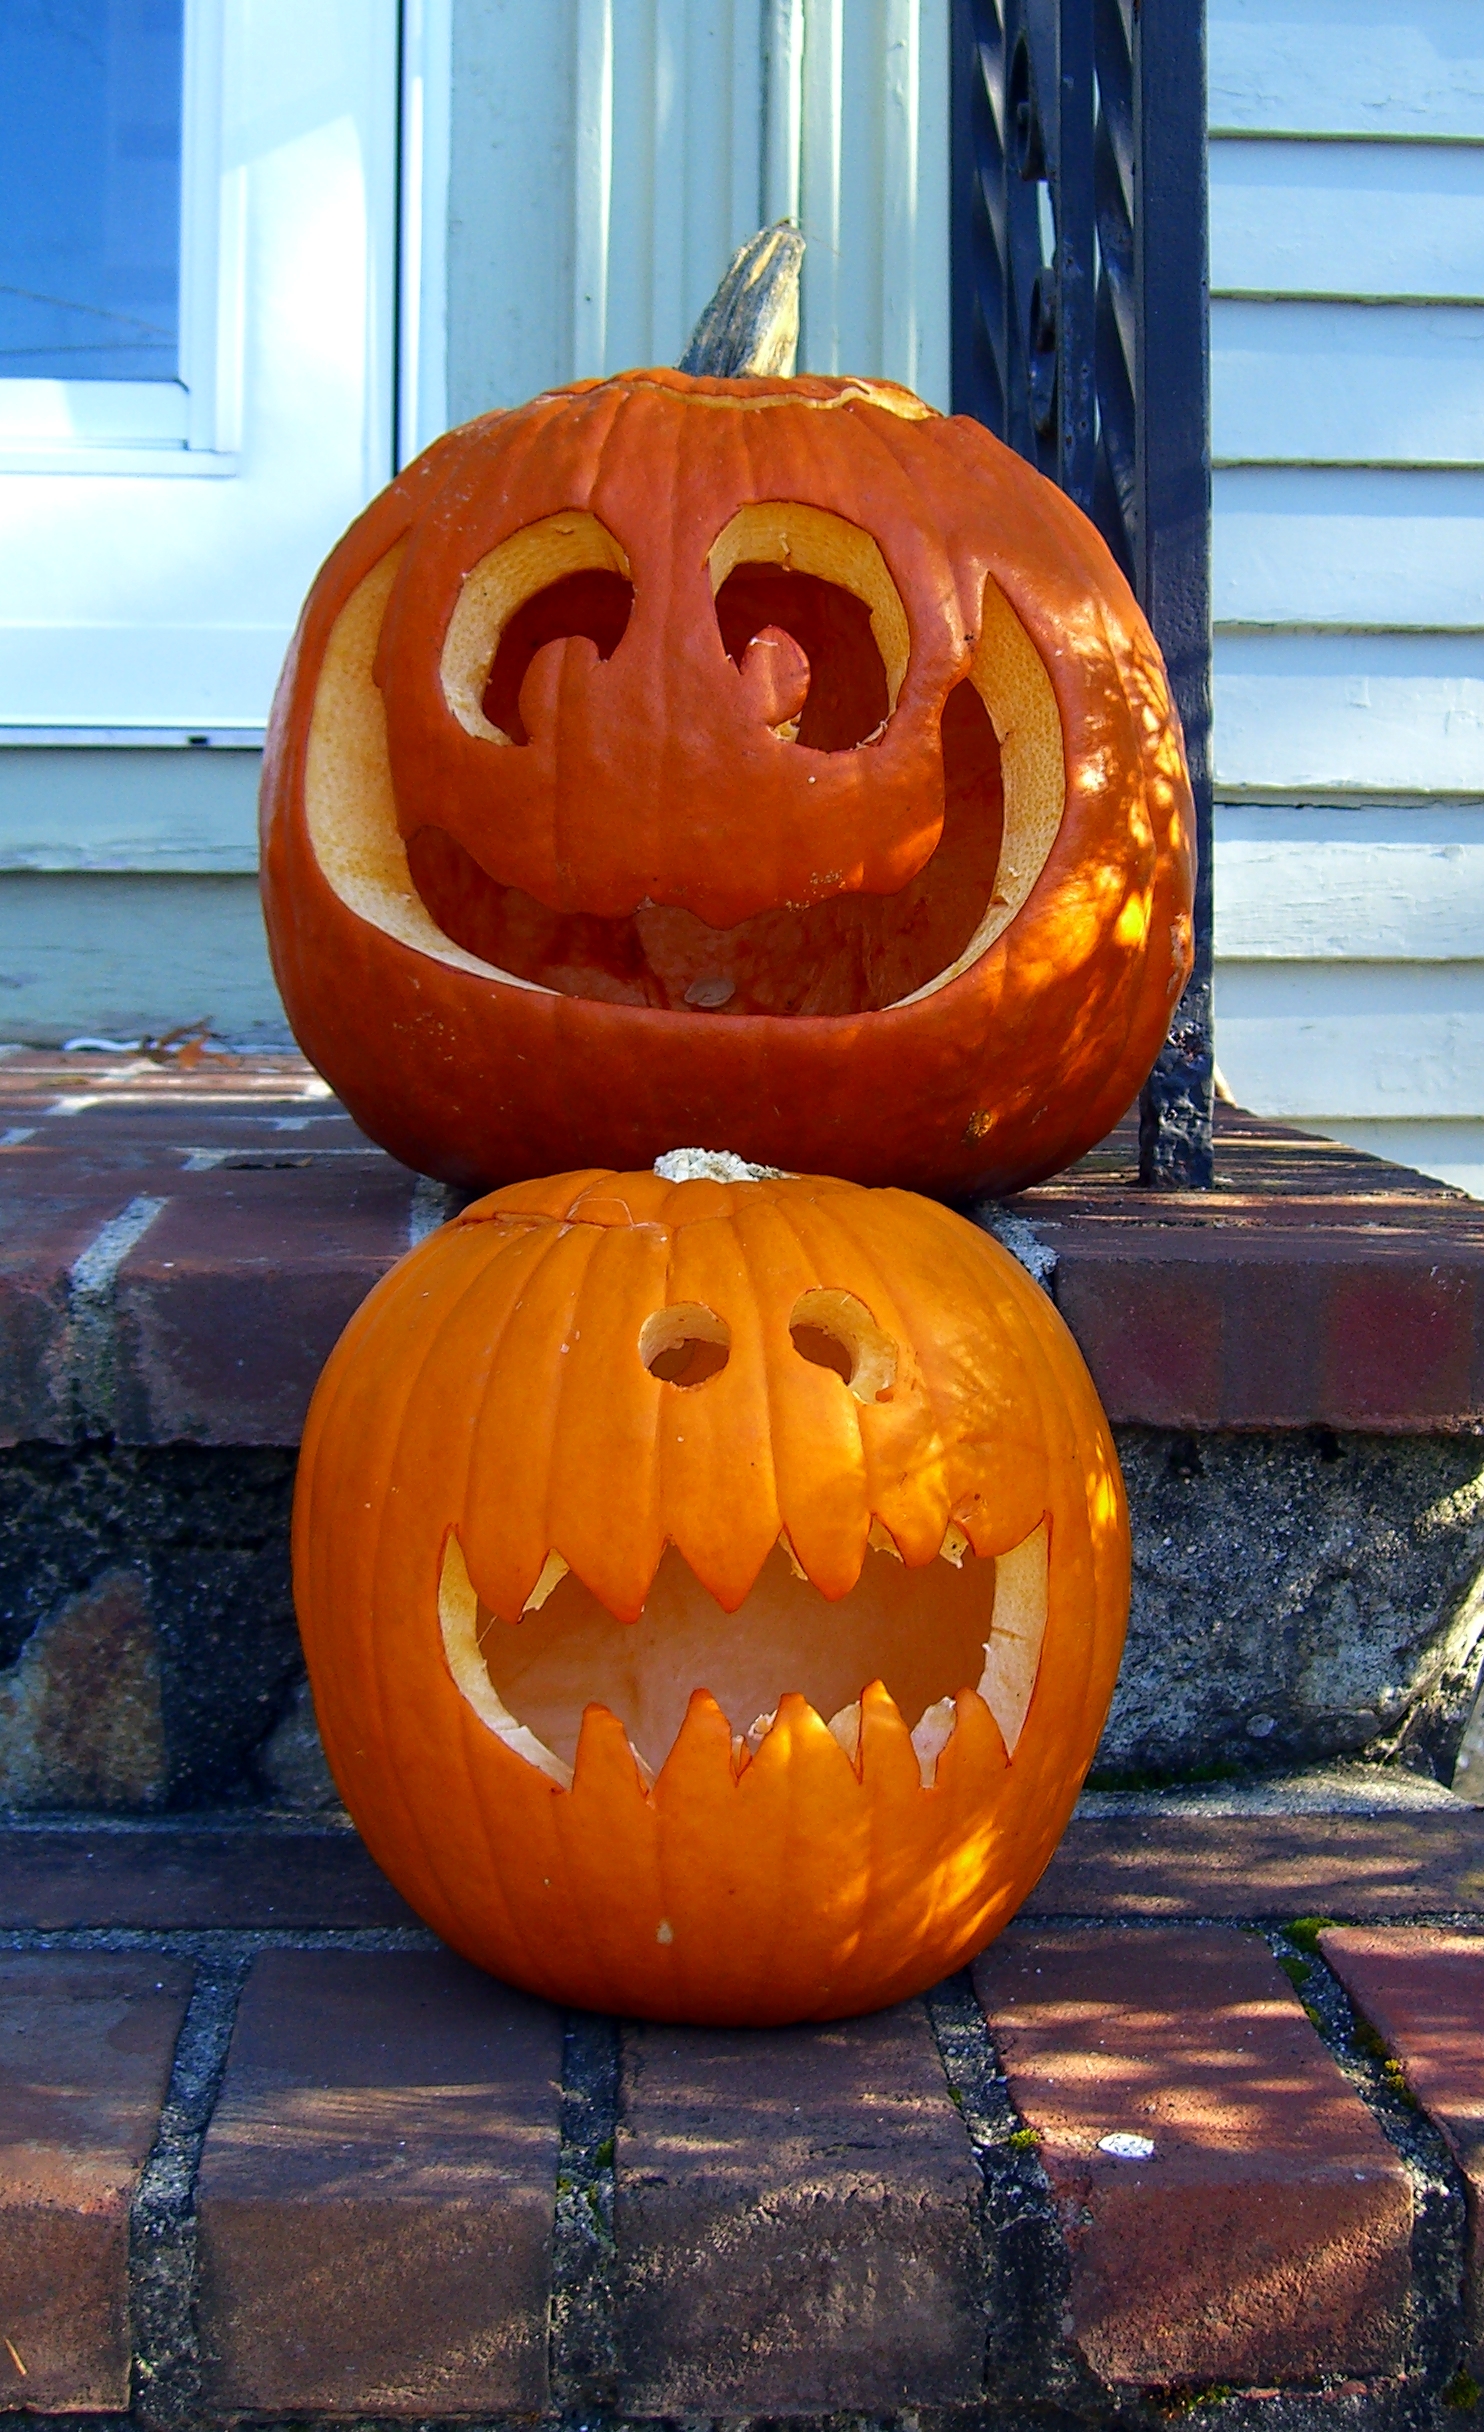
(959, 1622)
(849, 954)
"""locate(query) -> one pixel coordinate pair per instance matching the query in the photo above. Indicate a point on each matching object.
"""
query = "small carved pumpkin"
(712, 1589)
(771, 761)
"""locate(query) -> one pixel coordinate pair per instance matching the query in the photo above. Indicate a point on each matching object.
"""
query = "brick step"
(1294, 1363)
(180, 1248)
(289, 2160)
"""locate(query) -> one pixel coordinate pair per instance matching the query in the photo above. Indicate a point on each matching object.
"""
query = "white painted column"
(610, 155)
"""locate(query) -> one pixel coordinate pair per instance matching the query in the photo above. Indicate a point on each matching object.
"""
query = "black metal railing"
(1080, 337)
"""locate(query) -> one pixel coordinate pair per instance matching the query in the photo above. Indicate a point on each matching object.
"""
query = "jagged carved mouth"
(959, 1622)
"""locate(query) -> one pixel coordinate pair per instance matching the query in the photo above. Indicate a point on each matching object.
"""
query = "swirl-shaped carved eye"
(562, 578)
(813, 621)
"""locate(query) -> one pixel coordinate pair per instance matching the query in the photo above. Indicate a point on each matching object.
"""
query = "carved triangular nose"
(775, 679)
(558, 672)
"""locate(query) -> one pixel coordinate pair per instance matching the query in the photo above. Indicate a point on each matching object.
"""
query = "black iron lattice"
(1080, 337)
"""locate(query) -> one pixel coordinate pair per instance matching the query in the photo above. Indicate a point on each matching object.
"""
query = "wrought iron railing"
(1080, 337)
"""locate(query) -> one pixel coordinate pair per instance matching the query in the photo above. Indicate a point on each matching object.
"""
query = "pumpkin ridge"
(887, 1508)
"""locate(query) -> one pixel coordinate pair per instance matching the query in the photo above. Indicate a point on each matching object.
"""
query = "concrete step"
(267, 2150)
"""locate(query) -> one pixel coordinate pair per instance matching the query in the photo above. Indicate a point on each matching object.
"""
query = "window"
(115, 286)
(197, 223)
(90, 190)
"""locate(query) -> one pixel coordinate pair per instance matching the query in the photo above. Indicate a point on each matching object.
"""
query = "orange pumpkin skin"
(942, 953)
(489, 1406)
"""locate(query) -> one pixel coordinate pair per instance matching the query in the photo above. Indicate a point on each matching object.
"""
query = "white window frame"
(191, 425)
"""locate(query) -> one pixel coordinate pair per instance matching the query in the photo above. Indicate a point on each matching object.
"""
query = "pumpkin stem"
(750, 328)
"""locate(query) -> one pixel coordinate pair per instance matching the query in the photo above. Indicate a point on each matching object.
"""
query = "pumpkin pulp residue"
(925, 1633)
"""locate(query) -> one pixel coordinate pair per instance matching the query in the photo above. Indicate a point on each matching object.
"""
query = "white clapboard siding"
(1348, 545)
(1335, 1039)
(1347, 215)
(1348, 67)
(1386, 713)
(1347, 219)
(1344, 882)
(1329, 383)
(132, 809)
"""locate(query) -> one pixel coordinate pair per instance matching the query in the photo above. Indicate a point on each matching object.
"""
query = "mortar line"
(1437, 2255)
(1026, 2266)
(582, 2343)
(165, 2378)
(218, 1943)
(92, 1279)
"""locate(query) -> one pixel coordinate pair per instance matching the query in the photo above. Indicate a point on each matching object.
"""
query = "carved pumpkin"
(770, 761)
(712, 1590)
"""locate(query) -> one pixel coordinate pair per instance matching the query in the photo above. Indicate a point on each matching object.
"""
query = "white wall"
(1347, 329)
(608, 156)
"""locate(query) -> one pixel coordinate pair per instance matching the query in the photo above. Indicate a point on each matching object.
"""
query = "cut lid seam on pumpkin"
(884, 394)
(1006, 1684)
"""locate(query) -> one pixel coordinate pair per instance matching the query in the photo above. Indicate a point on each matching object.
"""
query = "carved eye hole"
(812, 619)
(596, 603)
(834, 1330)
(835, 683)
(685, 1344)
(563, 579)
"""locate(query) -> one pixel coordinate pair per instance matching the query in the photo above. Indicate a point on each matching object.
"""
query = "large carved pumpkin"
(768, 761)
(712, 1590)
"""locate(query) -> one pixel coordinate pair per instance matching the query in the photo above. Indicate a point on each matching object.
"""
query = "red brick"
(1315, 1285)
(377, 2190)
(795, 2221)
(177, 1875)
(42, 1233)
(1423, 1992)
(1400, 1341)
(1267, 2239)
(86, 2042)
(1148, 1327)
(232, 1304)
(1150, 1866)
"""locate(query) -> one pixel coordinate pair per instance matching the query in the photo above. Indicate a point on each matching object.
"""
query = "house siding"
(1347, 339)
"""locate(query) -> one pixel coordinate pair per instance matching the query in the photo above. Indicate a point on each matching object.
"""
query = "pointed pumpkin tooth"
(931, 1734)
(883, 1542)
(1017, 1629)
(954, 1546)
(553, 1572)
(846, 1728)
(757, 1732)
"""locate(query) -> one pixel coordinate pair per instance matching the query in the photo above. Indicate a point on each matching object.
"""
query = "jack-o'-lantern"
(712, 1589)
(768, 761)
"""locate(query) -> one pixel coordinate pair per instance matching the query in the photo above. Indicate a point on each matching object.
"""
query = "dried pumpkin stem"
(750, 328)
